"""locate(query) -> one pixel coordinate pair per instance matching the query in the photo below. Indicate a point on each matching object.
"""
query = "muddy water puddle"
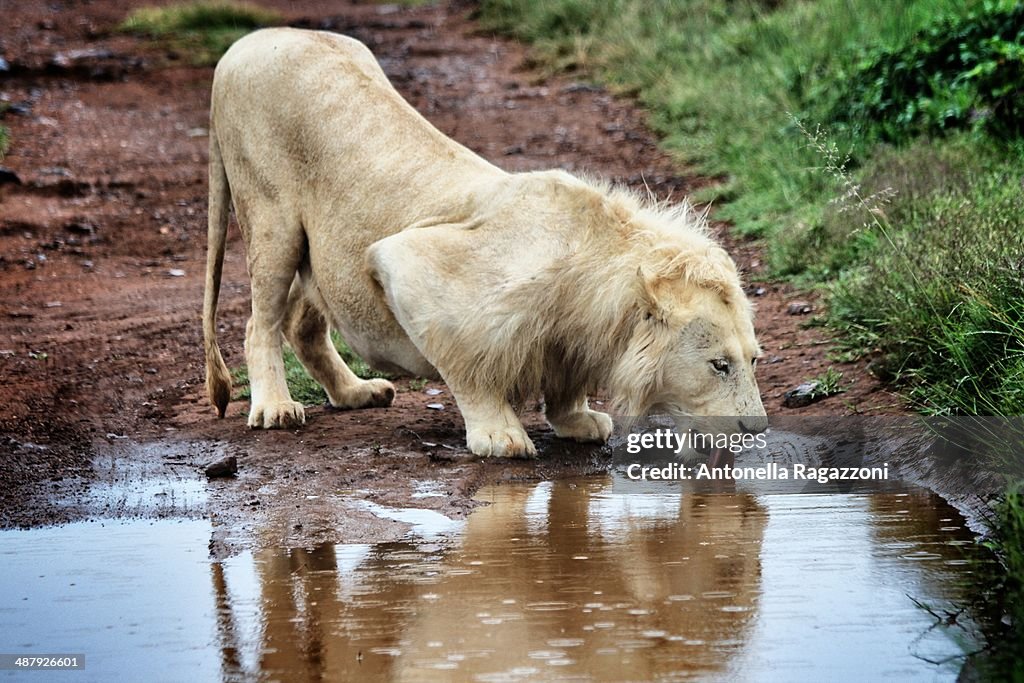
(564, 580)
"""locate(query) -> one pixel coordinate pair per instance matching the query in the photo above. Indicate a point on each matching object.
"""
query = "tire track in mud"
(121, 354)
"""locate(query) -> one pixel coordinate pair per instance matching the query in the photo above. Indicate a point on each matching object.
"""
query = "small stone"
(8, 177)
(580, 87)
(799, 308)
(227, 467)
(804, 395)
(436, 406)
(81, 227)
(176, 272)
(760, 291)
(433, 392)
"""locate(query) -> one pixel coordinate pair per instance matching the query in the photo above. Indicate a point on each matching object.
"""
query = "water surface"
(565, 580)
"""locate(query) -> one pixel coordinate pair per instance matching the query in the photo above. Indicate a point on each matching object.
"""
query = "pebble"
(8, 176)
(803, 395)
(799, 308)
(226, 467)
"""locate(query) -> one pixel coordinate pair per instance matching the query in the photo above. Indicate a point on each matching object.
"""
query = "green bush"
(959, 72)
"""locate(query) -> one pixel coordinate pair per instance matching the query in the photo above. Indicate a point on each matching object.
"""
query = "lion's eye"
(721, 366)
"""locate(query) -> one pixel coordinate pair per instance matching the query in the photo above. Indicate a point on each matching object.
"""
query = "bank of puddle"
(563, 580)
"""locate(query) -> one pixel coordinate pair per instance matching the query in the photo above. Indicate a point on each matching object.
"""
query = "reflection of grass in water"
(202, 29)
(304, 388)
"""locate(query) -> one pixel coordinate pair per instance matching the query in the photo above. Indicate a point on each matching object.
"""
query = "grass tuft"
(303, 388)
(203, 29)
(827, 384)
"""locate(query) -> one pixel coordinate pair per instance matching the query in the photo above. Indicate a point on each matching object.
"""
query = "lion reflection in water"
(556, 575)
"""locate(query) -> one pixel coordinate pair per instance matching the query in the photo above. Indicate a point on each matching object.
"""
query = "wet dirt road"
(102, 258)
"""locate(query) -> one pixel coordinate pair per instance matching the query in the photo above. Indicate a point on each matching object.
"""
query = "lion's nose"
(753, 425)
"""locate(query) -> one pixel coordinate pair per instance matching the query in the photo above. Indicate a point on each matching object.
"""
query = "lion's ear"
(662, 297)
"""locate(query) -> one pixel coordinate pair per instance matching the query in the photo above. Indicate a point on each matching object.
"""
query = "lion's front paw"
(587, 425)
(372, 393)
(280, 415)
(502, 442)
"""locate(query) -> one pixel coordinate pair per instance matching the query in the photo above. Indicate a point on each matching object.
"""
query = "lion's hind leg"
(308, 331)
(275, 249)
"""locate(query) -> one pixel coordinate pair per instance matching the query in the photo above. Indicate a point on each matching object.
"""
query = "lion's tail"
(218, 379)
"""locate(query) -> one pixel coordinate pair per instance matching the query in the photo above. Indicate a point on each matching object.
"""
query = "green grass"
(827, 384)
(303, 388)
(721, 79)
(5, 141)
(203, 30)
(1005, 660)
(936, 291)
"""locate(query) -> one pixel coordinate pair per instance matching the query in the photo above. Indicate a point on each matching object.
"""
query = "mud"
(101, 267)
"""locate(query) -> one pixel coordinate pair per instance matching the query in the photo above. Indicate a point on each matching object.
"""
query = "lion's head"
(693, 350)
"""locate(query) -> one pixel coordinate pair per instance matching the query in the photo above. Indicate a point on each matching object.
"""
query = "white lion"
(359, 215)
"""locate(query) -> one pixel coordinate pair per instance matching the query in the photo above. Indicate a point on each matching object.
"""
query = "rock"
(804, 395)
(227, 467)
(19, 108)
(436, 406)
(81, 227)
(760, 291)
(7, 176)
(799, 308)
(433, 392)
(4, 65)
(65, 60)
(580, 87)
(176, 272)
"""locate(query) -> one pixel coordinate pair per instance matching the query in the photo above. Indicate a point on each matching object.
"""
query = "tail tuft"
(218, 382)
